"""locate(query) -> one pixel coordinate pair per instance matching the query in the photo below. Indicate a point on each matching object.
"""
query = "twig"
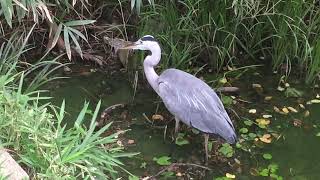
(178, 164)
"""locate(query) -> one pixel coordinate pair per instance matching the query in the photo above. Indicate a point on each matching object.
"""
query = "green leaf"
(162, 161)
(318, 134)
(226, 150)
(180, 140)
(252, 135)
(226, 100)
(66, 41)
(79, 22)
(243, 130)
(267, 156)
(133, 178)
(248, 122)
(210, 146)
(168, 174)
(264, 172)
(292, 92)
(143, 165)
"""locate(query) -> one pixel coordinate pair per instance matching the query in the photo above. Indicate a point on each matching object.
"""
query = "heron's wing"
(195, 103)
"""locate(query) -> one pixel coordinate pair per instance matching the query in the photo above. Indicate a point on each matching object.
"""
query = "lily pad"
(163, 160)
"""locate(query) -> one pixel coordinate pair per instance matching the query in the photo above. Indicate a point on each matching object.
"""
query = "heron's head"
(147, 42)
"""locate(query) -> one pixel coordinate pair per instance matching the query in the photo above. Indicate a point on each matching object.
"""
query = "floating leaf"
(268, 98)
(252, 135)
(168, 174)
(231, 176)
(248, 122)
(163, 160)
(266, 138)
(226, 150)
(301, 106)
(226, 100)
(157, 117)
(292, 109)
(133, 178)
(280, 88)
(285, 110)
(243, 130)
(314, 101)
(223, 80)
(267, 116)
(306, 113)
(267, 156)
(263, 122)
(252, 111)
(180, 140)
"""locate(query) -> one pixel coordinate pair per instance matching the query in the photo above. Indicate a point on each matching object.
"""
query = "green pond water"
(297, 152)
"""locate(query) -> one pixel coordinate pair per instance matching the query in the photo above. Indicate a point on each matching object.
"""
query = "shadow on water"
(297, 156)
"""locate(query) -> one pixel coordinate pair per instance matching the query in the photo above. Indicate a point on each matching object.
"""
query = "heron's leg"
(206, 140)
(176, 129)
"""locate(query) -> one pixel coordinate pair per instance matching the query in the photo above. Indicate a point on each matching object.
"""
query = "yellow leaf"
(158, 117)
(267, 116)
(280, 88)
(268, 98)
(266, 138)
(292, 109)
(263, 121)
(252, 111)
(302, 106)
(231, 176)
(223, 80)
(276, 109)
(285, 110)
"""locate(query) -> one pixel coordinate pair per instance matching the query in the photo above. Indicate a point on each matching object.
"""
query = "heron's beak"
(130, 45)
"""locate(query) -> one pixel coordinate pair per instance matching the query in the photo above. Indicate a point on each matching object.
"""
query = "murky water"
(296, 153)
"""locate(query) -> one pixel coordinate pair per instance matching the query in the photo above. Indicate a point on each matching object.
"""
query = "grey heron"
(188, 98)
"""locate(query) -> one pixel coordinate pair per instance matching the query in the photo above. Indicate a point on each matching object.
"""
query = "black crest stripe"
(148, 38)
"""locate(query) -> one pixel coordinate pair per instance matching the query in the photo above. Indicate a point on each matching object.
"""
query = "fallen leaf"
(268, 98)
(130, 141)
(301, 106)
(276, 109)
(157, 117)
(266, 138)
(263, 122)
(252, 111)
(223, 80)
(267, 116)
(231, 176)
(280, 88)
(306, 113)
(297, 123)
(314, 101)
(285, 110)
(292, 109)
(287, 85)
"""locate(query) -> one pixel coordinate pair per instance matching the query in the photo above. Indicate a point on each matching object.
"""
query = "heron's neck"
(149, 63)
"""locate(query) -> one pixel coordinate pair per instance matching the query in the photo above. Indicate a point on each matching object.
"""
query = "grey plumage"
(188, 98)
(195, 103)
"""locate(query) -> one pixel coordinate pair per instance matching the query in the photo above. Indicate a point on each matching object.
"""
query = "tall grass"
(192, 32)
(35, 132)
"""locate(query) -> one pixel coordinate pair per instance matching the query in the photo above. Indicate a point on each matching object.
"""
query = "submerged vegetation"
(37, 38)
